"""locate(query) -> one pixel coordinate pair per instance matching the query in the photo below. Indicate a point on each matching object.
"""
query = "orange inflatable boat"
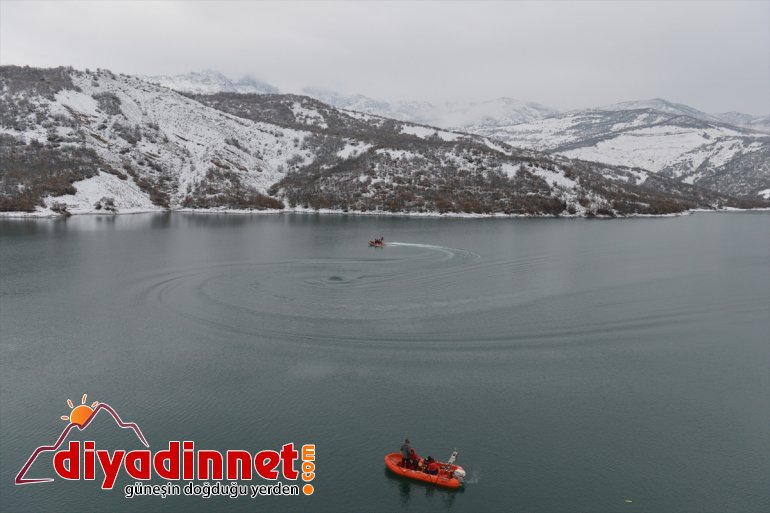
(450, 475)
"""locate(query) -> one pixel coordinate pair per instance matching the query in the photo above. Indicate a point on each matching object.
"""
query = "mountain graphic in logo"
(80, 417)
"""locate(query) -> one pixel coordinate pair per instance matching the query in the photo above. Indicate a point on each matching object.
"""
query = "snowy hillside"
(154, 148)
(73, 141)
(666, 141)
(738, 119)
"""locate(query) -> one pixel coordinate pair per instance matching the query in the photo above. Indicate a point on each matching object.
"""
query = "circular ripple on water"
(413, 296)
(344, 300)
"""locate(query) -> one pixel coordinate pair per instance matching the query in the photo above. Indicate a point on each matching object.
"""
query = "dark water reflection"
(575, 364)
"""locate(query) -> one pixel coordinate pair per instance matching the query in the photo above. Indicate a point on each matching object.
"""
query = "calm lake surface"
(575, 364)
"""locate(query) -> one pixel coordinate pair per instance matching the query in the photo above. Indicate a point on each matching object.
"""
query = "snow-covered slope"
(656, 134)
(636, 134)
(210, 81)
(651, 147)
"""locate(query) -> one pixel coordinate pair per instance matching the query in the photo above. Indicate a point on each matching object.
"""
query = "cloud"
(711, 55)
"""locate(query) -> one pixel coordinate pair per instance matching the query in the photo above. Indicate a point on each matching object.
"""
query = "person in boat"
(414, 460)
(406, 453)
(433, 467)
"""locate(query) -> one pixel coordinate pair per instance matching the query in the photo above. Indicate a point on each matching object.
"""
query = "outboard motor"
(459, 472)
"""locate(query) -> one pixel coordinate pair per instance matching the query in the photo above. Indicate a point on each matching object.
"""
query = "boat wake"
(449, 251)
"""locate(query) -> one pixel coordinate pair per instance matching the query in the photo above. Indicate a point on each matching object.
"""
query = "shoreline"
(44, 214)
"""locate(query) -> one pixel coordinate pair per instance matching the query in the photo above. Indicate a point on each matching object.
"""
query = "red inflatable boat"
(376, 244)
(450, 475)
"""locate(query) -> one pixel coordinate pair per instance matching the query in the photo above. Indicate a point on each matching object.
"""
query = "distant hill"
(759, 123)
(670, 139)
(210, 81)
(498, 112)
(657, 105)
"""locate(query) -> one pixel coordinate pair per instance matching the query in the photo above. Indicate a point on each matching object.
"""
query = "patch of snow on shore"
(126, 194)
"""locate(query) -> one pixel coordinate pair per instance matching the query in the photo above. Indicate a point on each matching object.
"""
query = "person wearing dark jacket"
(406, 453)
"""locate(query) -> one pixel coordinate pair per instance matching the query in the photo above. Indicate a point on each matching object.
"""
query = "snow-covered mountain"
(210, 82)
(73, 141)
(739, 119)
(498, 112)
(487, 114)
(654, 135)
(416, 112)
(759, 123)
(658, 105)
(416, 167)
(453, 115)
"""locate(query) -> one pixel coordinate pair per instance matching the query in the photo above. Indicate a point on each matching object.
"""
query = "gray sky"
(712, 55)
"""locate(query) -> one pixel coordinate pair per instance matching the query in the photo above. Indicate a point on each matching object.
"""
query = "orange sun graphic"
(81, 413)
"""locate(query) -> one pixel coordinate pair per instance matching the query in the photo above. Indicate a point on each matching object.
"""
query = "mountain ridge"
(83, 142)
(496, 112)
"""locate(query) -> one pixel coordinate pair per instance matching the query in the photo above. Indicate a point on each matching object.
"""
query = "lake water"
(575, 364)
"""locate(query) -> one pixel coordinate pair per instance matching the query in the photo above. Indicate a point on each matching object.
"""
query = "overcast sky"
(712, 55)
